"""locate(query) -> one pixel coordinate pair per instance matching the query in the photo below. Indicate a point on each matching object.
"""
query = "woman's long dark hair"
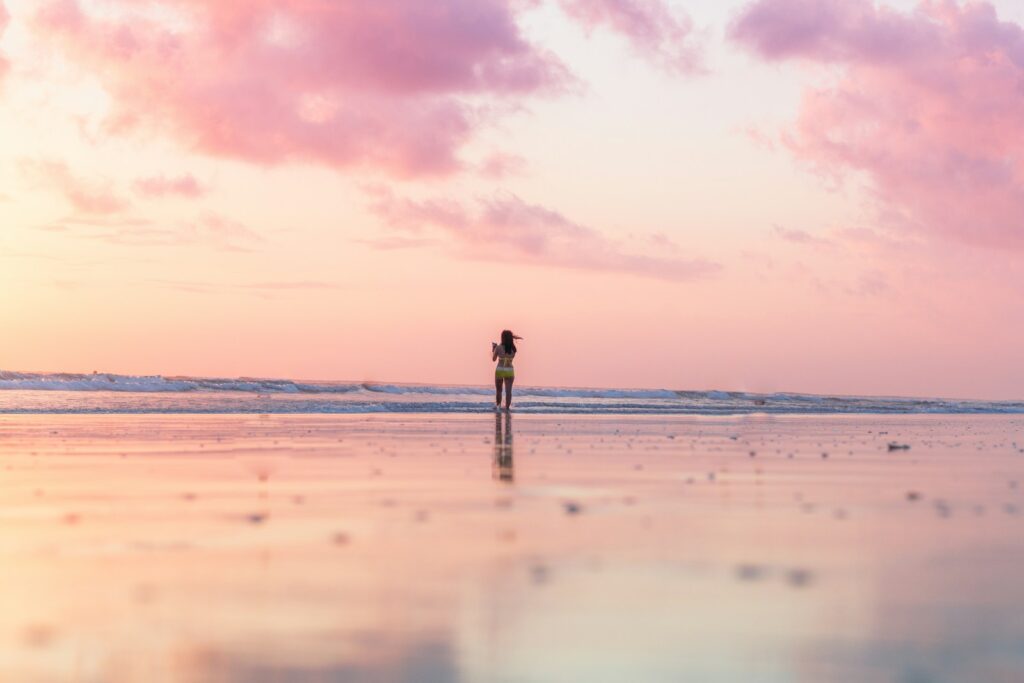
(507, 342)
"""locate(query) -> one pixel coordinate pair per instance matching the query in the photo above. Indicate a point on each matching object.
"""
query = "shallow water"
(522, 548)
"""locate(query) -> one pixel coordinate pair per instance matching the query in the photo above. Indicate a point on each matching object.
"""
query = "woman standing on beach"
(504, 373)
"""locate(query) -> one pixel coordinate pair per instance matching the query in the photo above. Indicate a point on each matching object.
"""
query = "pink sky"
(802, 195)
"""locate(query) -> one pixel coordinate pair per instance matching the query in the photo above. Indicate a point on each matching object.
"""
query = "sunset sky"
(766, 195)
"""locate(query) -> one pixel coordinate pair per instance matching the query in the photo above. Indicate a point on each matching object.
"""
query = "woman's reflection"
(503, 468)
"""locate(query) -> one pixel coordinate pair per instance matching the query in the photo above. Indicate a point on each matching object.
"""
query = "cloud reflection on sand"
(405, 548)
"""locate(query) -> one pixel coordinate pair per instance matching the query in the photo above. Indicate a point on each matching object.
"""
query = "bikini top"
(505, 360)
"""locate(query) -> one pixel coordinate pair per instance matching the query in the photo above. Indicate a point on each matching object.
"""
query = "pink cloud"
(654, 29)
(831, 30)
(85, 196)
(383, 84)
(928, 108)
(501, 165)
(162, 186)
(507, 229)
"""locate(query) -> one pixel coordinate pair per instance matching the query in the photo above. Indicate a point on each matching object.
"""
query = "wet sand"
(540, 548)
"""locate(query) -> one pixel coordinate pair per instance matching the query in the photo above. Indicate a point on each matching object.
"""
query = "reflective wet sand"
(522, 548)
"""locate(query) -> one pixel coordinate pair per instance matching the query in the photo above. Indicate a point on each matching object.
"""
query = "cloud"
(928, 107)
(398, 86)
(397, 242)
(161, 186)
(210, 230)
(832, 30)
(504, 228)
(86, 196)
(258, 288)
(501, 165)
(876, 243)
(872, 283)
(801, 237)
(223, 233)
(384, 84)
(655, 30)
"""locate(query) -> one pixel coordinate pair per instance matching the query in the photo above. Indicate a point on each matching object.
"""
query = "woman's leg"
(497, 392)
(508, 391)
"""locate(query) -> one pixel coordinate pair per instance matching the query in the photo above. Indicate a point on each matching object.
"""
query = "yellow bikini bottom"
(504, 373)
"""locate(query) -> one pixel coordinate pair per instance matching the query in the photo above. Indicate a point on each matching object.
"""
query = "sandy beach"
(522, 548)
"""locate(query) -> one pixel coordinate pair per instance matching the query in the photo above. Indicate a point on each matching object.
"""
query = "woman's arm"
(494, 351)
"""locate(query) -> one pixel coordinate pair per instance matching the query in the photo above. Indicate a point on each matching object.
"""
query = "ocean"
(69, 393)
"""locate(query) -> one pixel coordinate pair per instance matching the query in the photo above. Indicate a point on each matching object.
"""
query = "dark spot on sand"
(145, 593)
(893, 446)
(72, 518)
(256, 518)
(913, 496)
(799, 578)
(37, 636)
(572, 508)
(341, 538)
(750, 572)
(539, 574)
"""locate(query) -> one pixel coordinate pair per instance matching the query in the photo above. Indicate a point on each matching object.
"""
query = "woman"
(504, 373)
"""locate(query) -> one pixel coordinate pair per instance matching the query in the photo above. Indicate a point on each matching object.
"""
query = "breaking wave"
(26, 392)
